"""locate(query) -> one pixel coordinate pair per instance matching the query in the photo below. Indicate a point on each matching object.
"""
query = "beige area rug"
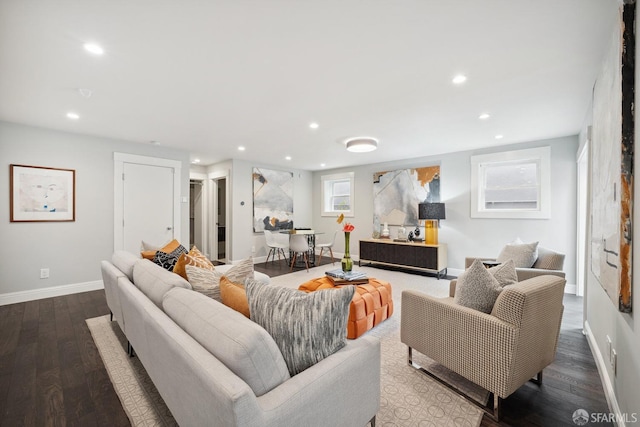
(408, 397)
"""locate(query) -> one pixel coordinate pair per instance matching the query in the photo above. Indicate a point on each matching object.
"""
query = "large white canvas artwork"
(272, 200)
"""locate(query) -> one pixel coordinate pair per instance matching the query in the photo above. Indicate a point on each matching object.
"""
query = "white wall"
(466, 236)
(71, 250)
(603, 318)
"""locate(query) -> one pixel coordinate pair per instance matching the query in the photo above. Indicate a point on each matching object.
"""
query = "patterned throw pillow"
(307, 327)
(208, 281)
(523, 256)
(195, 258)
(204, 281)
(234, 296)
(169, 260)
(477, 288)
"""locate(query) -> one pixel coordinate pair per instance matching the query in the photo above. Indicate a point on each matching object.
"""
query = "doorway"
(221, 218)
(582, 213)
(196, 217)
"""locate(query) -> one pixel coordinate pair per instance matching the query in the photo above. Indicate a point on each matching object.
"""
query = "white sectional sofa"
(215, 367)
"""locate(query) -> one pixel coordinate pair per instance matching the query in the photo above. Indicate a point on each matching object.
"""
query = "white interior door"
(147, 202)
(148, 205)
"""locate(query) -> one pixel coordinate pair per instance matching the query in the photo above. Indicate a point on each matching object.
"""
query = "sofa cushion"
(168, 260)
(124, 261)
(523, 255)
(549, 260)
(307, 327)
(195, 258)
(242, 345)
(154, 281)
(234, 296)
(476, 288)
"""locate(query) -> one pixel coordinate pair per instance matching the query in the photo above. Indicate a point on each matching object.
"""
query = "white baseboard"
(570, 289)
(55, 291)
(609, 392)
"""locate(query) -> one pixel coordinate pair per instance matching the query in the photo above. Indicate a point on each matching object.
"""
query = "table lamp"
(432, 213)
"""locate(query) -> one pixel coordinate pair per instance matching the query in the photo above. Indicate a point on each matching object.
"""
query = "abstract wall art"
(41, 194)
(272, 200)
(396, 194)
(612, 166)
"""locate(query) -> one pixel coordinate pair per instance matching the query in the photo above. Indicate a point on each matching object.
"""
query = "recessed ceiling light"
(73, 116)
(241, 148)
(459, 79)
(288, 157)
(484, 116)
(195, 161)
(313, 125)
(322, 165)
(93, 48)
(499, 136)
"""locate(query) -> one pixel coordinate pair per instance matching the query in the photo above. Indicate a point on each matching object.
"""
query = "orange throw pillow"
(168, 248)
(233, 295)
(195, 258)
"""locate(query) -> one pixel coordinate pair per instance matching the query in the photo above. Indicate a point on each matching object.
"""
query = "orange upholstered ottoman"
(371, 303)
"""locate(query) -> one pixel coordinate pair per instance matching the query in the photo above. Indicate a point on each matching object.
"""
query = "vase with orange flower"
(347, 228)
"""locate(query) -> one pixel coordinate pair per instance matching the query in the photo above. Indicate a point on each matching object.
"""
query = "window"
(337, 194)
(512, 184)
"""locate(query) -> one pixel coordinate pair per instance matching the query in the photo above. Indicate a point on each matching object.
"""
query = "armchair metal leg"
(111, 313)
(537, 379)
(372, 422)
(492, 411)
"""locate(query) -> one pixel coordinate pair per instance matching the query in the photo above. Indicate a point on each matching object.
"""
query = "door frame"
(204, 211)
(119, 159)
(214, 179)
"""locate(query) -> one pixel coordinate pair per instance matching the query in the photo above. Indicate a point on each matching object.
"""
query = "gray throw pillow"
(477, 288)
(523, 256)
(505, 273)
(207, 282)
(307, 327)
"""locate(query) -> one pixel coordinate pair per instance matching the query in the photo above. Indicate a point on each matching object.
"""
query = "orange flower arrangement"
(347, 227)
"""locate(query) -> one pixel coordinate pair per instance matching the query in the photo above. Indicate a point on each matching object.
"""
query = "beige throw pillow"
(523, 256)
(477, 288)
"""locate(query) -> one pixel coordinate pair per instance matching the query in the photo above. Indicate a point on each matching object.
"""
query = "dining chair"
(298, 243)
(327, 245)
(275, 246)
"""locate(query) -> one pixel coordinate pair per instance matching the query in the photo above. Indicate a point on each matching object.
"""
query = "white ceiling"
(208, 76)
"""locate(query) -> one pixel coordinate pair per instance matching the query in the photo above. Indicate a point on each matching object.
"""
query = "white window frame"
(541, 155)
(325, 181)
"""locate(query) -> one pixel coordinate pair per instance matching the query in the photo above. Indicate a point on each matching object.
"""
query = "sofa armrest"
(342, 389)
(476, 345)
(529, 273)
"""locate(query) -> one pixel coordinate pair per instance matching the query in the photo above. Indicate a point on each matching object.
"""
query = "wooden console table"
(415, 256)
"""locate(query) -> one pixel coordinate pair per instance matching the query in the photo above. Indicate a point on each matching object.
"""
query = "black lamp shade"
(431, 211)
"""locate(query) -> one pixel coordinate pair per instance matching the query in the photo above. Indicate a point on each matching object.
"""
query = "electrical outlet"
(614, 361)
(44, 273)
(609, 347)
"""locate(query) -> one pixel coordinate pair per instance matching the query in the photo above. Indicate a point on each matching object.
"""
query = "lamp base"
(431, 232)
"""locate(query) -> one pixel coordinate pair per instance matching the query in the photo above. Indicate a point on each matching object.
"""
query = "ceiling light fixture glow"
(241, 148)
(93, 48)
(322, 165)
(73, 116)
(499, 136)
(459, 79)
(361, 144)
(484, 116)
(313, 125)
(288, 157)
(196, 161)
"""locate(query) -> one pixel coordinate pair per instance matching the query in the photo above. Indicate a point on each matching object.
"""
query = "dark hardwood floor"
(52, 375)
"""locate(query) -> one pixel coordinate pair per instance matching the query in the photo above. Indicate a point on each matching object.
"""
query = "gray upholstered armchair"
(548, 262)
(499, 351)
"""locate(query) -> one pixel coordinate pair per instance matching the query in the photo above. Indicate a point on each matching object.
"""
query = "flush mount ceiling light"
(484, 116)
(361, 144)
(313, 125)
(241, 148)
(73, 116)
(499, 136)
(93, 48)
(459, 79)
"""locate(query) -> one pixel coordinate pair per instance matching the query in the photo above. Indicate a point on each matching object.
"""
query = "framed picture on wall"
(42, 194)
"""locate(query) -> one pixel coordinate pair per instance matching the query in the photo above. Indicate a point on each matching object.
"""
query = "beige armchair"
(548, 262)
(499, 351)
